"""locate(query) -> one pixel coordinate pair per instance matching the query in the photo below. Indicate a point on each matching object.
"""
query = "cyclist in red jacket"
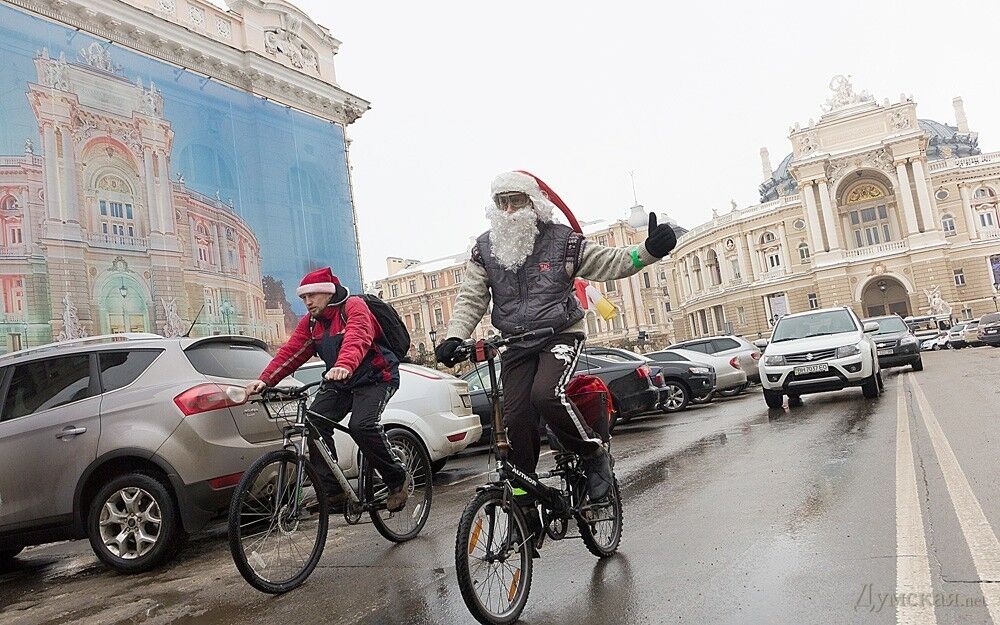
(362, 374)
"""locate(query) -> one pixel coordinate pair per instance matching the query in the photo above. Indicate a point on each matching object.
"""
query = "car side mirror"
(761, 343)
(871, 326)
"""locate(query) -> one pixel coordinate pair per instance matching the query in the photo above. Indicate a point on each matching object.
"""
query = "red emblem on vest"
(544, 266)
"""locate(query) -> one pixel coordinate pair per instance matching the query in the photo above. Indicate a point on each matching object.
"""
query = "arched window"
(712, 264)
(948, 225)
(985, 194)
(203, 167)
(804, 252)
(697, 282)
(116, 209)
(9, 203)
(767, 237)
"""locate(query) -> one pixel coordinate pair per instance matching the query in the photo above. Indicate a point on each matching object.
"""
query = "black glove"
(661, 238)
(445, 351)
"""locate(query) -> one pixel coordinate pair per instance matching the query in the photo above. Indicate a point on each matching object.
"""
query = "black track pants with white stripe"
(534, 387)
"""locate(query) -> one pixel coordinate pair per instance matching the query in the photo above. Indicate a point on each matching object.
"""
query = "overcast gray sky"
(582, 92)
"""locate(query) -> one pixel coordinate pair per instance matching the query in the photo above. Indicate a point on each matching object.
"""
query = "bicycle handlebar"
(274, 393)
(466, 349)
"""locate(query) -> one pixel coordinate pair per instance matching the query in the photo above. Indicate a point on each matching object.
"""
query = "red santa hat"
(541, 194)
(323, 281)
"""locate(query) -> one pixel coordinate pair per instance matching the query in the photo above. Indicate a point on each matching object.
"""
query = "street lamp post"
(123, 291)
(996, 291)
(433, 335)
(227, 309)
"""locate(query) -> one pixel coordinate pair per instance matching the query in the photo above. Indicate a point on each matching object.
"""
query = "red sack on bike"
(592, 398)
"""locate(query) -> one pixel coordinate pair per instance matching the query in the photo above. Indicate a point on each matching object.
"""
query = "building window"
(720, 319)
(667, 305)
(774, 260)
(741, 315)
(966, 314)
(871, 225)
(736, 269)
(804, 252)
(959, 277)
(394, 290)
(948, 225)
(985, 194)
(767, 237)
(652, 316)
(941, 194)
(813, 301)
(434, 281)
(703, 318)
(602, 240)
(986, 219)
(438, 317)
(591, 324)
(457, 275)
(409, 322)
(799, 224)
(616, 323)
(645, 279)
(416, 321)
(610, 287)
(413, 286)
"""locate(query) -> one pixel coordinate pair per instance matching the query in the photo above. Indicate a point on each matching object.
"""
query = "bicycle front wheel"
(601, 523)
(278, 522)
(403, 525)
(493, 559)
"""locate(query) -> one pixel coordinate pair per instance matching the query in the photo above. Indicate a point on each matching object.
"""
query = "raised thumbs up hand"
(661, 238)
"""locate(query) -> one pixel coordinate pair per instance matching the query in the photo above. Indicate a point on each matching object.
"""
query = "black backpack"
(394, 333)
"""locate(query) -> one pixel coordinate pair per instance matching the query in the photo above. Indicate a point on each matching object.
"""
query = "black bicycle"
(278, 519)
(495, 547)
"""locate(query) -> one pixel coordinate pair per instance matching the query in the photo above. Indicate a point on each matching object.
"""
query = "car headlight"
(848, 350)
(699, 370)
(909, 340)
(774, 360)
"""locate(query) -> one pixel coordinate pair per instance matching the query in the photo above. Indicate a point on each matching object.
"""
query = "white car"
(729, 373)
(817, 351)
(435, 407)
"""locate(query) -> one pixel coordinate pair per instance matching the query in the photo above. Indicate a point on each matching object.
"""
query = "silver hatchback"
(744, 350)
(133, 441)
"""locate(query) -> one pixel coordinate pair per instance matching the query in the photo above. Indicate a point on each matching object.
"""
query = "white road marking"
(977, 531)
(913, 571)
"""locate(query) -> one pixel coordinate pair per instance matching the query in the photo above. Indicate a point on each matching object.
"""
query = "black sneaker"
(600, 478)
(535, 529)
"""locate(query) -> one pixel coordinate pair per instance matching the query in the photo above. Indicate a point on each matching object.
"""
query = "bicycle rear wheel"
(278, 522)
(601, 525)
(403, 525)
(493, 559)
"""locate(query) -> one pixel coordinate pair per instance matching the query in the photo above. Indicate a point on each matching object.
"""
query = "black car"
(633, 384)
(680, 380)
(895, 342)
(989, 329)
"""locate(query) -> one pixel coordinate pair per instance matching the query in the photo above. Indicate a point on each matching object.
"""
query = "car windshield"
(227, 360)
(818, 324)
(990, 318)
(889, 325)
(958, 327)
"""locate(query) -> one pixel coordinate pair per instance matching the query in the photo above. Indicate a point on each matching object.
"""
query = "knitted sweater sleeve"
(473, 300)
(602, 263)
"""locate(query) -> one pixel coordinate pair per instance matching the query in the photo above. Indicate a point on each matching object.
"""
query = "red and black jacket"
(346, 335)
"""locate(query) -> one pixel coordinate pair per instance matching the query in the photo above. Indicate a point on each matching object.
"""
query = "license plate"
(817, 368)
(885, 352)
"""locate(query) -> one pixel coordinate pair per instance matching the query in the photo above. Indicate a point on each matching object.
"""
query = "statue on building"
(844, 94)
(55, 72)
(29, 146)
(71, 324)
(97, 56)
(935, 303)
(174, 326)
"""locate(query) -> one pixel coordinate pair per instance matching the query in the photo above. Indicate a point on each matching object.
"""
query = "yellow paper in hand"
(606, 309)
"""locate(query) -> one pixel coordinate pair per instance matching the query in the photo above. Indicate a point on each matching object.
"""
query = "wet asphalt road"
(733, 514)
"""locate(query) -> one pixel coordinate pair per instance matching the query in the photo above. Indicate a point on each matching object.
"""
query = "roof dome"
(781, 182)
(941, 136)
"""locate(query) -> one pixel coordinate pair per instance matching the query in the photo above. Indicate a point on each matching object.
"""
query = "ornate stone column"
(720, 255)
(151, 203)
(741, 253)
(50, 152)
(786, 258)
(828, 217)
(812, 215)
(970, 215)
(903, 189)
(166, 196)
(71, 203)
(223, 263)
(923, 197)
(754, 256)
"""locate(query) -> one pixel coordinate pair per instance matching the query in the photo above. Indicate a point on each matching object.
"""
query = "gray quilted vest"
(540, 293)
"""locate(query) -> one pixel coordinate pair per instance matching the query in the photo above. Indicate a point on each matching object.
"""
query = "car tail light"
(225, 481)
(457, 437)
(734, 362)
(644, 372)
(205, 397)
(755, 355)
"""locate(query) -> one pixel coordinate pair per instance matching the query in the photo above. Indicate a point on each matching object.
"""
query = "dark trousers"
(365, 403)
(534, 387)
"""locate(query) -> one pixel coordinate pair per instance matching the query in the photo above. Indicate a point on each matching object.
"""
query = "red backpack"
(592, 398)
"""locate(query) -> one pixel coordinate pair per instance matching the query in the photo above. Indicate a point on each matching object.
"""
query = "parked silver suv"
(133, 441)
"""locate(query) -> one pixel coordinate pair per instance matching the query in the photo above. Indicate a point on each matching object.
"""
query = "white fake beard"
(512, 236)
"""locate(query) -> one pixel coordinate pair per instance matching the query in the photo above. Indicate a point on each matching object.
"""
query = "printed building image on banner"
(136, 196)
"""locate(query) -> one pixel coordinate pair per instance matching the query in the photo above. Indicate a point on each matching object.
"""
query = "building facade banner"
(139, 196)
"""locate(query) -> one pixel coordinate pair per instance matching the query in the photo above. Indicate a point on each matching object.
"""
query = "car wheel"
(134, 524)
(870, 388)
(918, 365)
(677, 397)
(773, 399)
(437, 465)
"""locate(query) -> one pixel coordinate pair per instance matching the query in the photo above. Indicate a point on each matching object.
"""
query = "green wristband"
(638, 264)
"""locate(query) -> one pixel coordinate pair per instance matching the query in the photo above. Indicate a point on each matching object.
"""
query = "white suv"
(817, 351)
